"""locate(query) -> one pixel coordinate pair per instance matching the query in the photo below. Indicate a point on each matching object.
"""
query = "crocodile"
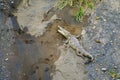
(74, 43)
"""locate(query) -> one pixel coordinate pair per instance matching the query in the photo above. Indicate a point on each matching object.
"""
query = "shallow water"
(21, 55)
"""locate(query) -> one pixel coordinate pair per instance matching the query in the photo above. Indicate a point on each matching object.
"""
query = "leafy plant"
(91, 5)
(82, 5)
(80, 14)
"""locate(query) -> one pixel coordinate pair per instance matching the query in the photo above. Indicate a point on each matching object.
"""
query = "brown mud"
(51, 39)
(33, 58)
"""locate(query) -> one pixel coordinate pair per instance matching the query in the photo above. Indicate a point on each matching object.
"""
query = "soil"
(29, 57)
(51, 38)
(25, 56)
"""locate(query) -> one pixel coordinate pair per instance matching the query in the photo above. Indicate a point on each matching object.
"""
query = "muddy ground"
(32, 49)
(46, 30)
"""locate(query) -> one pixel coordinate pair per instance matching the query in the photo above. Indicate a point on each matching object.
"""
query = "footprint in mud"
(44, 67)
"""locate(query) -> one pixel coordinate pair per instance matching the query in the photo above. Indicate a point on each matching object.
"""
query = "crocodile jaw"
(64, 32)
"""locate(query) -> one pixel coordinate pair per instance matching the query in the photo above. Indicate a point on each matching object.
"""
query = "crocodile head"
(64, 32)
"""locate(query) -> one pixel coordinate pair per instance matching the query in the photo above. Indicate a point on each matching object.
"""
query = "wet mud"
(25, 57)
(22, 57)
(52, 38)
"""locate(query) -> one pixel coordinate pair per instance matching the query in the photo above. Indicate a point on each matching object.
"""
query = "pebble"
(6, 59)
(98, 18)
(83, 32)
(96, 69)
(93, 27)
(115, 67)
(104, 69)
(104, 20)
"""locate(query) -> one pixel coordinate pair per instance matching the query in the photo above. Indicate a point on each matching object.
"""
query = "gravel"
(107, 32)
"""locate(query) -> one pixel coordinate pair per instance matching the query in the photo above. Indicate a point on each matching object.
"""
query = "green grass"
(81, 5)
(80, 14)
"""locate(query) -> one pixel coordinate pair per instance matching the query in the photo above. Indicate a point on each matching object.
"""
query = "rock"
(104, 69)
(6, 59)
(115, 67)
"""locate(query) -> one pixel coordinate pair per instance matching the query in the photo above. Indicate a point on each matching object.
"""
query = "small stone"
(104, 20)
(115, 67)
(94, 27)
(104, 69)
(83, 32)
(6, 59)
(96, 69)
(98, 18)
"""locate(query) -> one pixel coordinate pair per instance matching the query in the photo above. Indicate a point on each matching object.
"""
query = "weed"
(82, 5)
(114, 74)
(91, 5)
(80, 14)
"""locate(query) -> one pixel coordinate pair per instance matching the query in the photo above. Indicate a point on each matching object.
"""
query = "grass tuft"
(82, 5)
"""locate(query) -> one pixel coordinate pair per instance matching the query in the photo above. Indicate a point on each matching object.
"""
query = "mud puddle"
(27, 59)
(23, 56)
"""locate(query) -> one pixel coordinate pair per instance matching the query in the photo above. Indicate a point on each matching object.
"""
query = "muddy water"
(21, 55)
(24, 58)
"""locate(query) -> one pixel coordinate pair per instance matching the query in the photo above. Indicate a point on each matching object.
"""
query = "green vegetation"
(114, 74)
(80, 14)
(81, 5)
